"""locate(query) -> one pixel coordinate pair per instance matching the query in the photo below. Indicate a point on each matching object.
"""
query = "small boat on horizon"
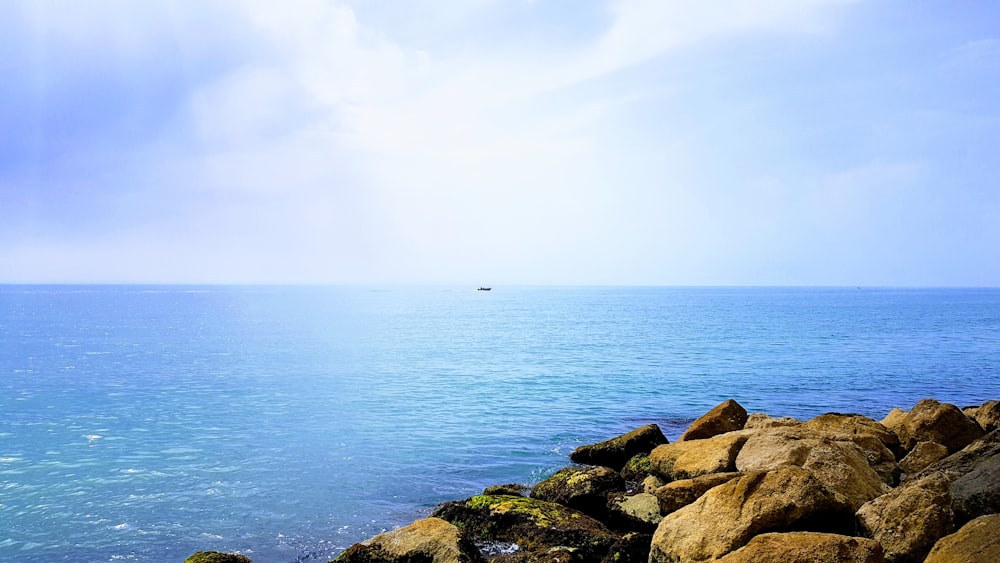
(484, 289)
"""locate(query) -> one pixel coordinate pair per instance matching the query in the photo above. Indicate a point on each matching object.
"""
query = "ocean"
(144, 423)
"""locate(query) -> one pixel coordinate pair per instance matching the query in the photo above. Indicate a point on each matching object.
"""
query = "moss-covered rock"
(534, 525)
(636, 469)
(616, 452)
(583, 488)
(216, 557)
(513, 489)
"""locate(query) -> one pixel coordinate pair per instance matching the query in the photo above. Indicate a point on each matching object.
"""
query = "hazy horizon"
(776, 143)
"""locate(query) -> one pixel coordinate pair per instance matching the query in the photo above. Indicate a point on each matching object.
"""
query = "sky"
(610, 142)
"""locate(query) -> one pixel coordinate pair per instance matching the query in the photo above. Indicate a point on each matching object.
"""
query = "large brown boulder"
(678, 494)
(759, 420)
(428, 540)
(908, 520)
(584, 488)
(933, 421)
(987, 415)
(724, 417)
(852, 426)
(976, 542)
(727, 516)
(534, 525)
(684, 460)
(806, 547)
(614, 453)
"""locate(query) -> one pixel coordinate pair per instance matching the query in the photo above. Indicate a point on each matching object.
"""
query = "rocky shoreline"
(919, 485)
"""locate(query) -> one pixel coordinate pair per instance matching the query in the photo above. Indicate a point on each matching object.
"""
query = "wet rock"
(806, 547)
(727, 416)
(636, 469)
(534, 525)
(514, 489)
(428, 540)
(559, 554)
(975, 542)
(216, 557)
(678, 494)
(922, 455)
(908, 520)
(933, 421)
(631, 548)
(727, 516)
(684, 460)
(614, 453)
(583, 488)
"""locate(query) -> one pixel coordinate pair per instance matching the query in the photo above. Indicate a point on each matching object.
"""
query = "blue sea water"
(286, 423)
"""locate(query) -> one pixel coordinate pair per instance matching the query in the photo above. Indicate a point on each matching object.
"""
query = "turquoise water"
(146, 423)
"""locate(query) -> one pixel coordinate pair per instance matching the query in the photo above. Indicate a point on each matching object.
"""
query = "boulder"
(727, 516)
(583, 488)
(678, 494)
(724, 417)
(684, 460)
(636, 469)
(514, 489)
(638, 513)
(759, 420)
(908, 520)
(922, 455)
(975, 542)
(806, 547)
(987, 415)
(974, 474)
(852, 427)
(933, 421)
(216, 557)
(534, 525)
(614, 453)
(650, 484)
(843, 468)
(893, 420)
(428, 540)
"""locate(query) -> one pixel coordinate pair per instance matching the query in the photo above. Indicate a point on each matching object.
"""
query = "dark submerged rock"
(534, 525)
(631, 548)
(584, 489)
(513, 489)
(616, 452)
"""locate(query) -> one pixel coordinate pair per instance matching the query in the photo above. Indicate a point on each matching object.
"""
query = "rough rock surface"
(976, 542)
(922, 455)
(508, 489)
(806, 547)
(639, 512)
(430, 539)
(933, 421)
(853, 425)
(678, 494)
(632, 548)
(534, 525)
(650, 484)
(614, 453)
(216, 557)
(636, 469)
(724, 417)
(726, 517)
(908, 520)
(986, 414)
(758, 420)
(684, 460)
(584, 489)
(975, 478)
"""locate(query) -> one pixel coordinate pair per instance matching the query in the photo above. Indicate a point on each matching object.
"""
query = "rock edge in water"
(737, 487)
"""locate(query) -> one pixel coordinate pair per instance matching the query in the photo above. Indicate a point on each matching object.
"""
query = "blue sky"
(773, 142)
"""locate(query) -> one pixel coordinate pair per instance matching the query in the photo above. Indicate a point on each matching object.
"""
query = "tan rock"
(933, 421)
(843, 468)
(854, 426)
(908, 520)
(922, 455)
(806, 547)
(651, 483)
(986, 414)
(727, 516)
(642, 509)
(430, 537)
(759, 420)
(976, 542)
(684, 460)
(772, 447)
(724, 417)
(678, 494)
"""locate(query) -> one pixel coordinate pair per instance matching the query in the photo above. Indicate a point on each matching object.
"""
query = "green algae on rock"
(217, 557)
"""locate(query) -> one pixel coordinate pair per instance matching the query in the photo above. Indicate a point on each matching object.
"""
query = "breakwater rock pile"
(920, 485)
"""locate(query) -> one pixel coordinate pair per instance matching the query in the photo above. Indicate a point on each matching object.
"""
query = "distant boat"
(484, 288)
